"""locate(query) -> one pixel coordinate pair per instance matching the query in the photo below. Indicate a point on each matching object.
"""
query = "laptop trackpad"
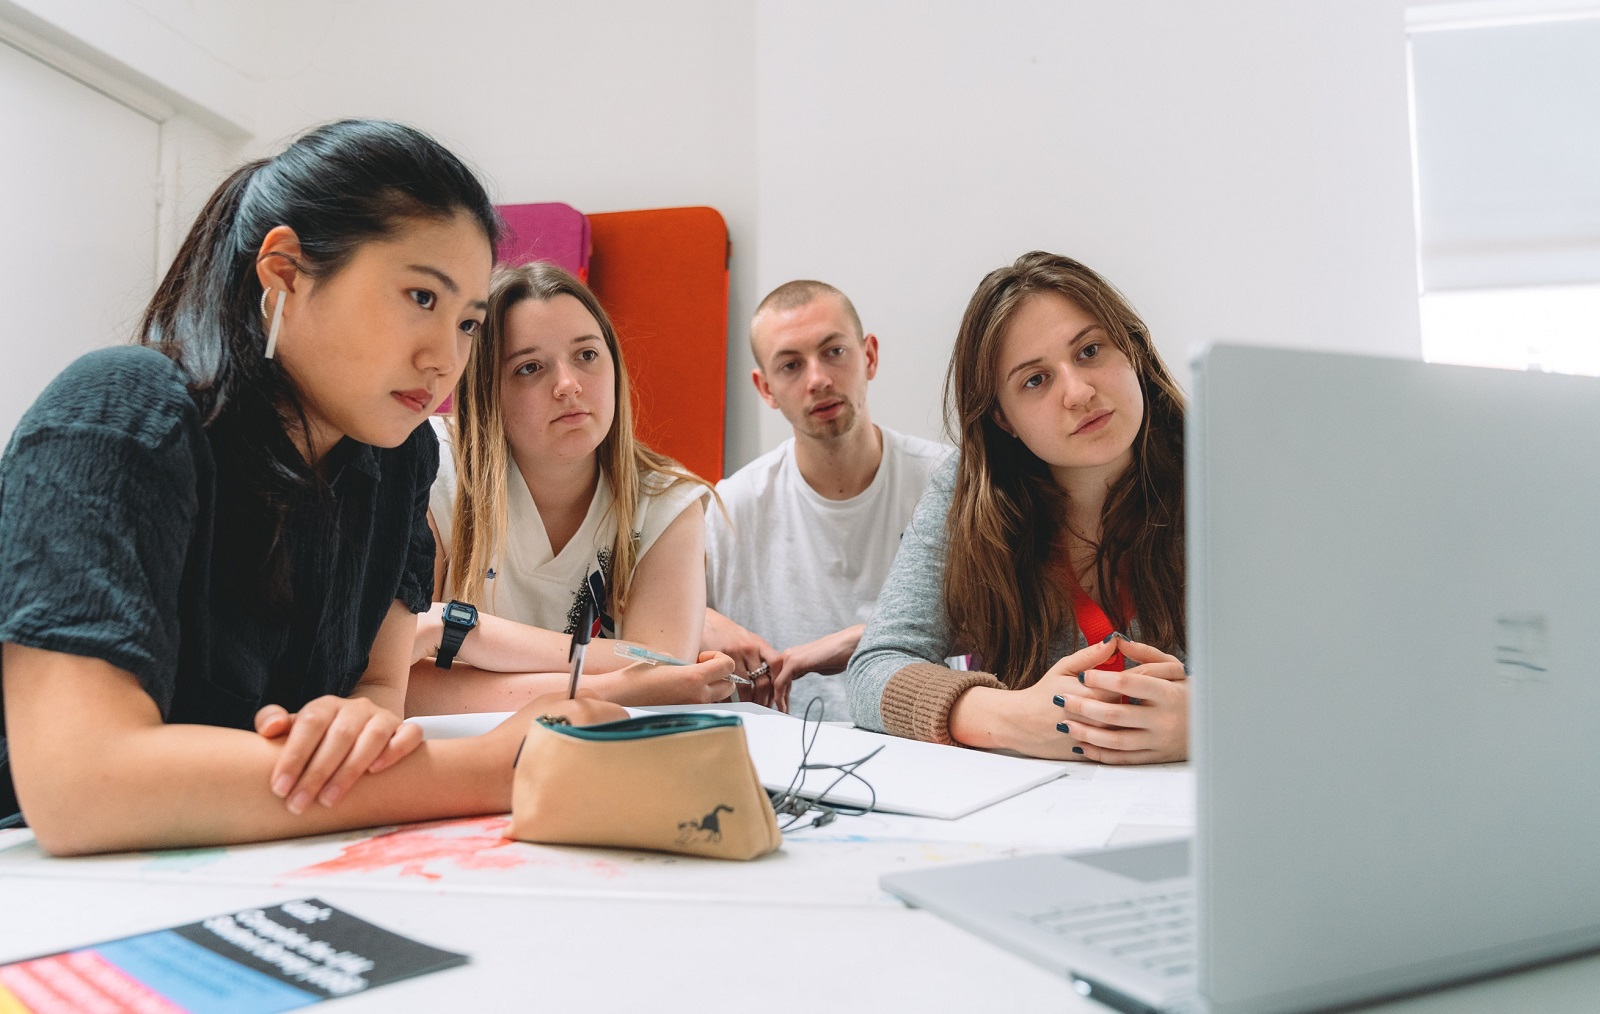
(1163, 861)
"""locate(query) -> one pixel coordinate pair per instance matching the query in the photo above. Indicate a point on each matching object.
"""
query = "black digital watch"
(459, 619)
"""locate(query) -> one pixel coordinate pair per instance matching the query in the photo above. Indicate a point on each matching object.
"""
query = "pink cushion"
(553, 232)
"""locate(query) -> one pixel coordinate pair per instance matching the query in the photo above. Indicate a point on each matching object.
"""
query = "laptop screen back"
(1394, 617)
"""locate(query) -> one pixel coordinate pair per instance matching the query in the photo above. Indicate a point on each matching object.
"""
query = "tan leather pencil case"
(672, 783)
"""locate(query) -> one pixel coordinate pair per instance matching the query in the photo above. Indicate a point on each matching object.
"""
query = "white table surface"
(593, 954)
(806, 929)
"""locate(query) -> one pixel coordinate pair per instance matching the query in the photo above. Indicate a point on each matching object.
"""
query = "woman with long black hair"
(213, 542)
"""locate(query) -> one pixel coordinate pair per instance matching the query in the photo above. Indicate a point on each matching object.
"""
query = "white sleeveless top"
(534, 586)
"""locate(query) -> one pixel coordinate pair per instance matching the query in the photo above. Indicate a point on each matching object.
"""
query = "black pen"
(580, 645)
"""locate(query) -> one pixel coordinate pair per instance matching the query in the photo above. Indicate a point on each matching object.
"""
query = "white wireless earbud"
(277, 322)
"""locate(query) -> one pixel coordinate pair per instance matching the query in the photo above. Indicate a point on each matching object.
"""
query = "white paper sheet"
(1076, 811)
(456, 726)
(906, 776)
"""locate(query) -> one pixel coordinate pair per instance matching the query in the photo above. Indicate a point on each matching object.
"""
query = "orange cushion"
(662, 275)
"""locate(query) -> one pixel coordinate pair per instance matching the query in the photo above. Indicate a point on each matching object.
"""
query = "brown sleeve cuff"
(917, 700)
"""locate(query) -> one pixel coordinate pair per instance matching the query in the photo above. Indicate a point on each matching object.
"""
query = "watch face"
(456, 613)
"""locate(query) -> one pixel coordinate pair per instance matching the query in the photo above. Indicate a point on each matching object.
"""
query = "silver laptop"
(1394, 627)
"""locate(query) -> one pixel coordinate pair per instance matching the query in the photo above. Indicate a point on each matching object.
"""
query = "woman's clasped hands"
(1137, 716)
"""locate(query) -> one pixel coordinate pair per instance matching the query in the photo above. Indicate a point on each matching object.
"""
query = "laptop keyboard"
(1152, 932)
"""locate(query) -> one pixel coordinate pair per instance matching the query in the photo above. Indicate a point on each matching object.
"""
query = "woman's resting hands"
(333, 741)
(330, 743)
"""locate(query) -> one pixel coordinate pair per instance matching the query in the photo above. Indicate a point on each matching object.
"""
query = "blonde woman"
(547, 509)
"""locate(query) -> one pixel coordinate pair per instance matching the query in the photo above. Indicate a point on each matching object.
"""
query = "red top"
(1092, 620)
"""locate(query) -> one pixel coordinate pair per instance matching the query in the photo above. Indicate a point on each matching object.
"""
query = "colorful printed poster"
(251, 962)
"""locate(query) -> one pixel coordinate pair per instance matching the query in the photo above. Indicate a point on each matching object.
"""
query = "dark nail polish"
(1060, 701)
(1111, 635)
(1077, 749)
(1081, 679)
(1134, 700)
(1062, 727)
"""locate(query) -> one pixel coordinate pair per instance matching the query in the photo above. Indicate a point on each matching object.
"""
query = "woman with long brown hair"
(1057, 527)
(550, 506)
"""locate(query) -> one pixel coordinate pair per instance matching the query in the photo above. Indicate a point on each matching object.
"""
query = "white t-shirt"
(534, 586)
(795, 565)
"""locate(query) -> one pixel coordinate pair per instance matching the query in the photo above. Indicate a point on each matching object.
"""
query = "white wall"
(607, 106)
(180, 64)
(71, 157)
(131, 111)
(178, 54)
(611, 105)
(1240, 169)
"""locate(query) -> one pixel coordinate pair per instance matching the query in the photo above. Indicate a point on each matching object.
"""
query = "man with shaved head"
(792, 580)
